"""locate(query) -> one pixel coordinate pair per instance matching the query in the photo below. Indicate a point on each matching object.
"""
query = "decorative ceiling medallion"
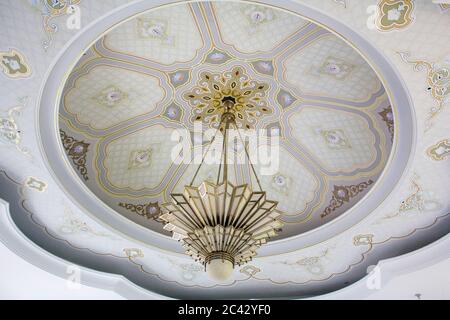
(363, 240)
(249, 97)
(173, 112)
(150, 210)
(257, 16)
(285, 99)
(343, 194)
(394, 14)
(388, 117)
(77, 151)
(335, 138)
(110, 96)
(140, 158)
(156, 29)
(335, 67)
(440, 151)
(264, 67)
(14, 64)
(217, 57)
(179, 78)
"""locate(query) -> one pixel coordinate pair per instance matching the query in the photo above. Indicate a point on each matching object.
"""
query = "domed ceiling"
(365, 152)
(156, 73)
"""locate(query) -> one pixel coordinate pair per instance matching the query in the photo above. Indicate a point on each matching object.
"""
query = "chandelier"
(222, 225)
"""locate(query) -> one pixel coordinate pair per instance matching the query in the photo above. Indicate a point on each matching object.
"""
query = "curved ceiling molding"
(367, 184)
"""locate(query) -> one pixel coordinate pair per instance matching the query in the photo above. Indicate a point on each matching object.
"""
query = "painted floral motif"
(334, 138)
(72, 225)
(257, 16)
(10, 133)
(394, 14)
(214, 88)
(155, 29)
(440, 151)
(343, 194)
(217, 57)
(173, 112)
(417, 201)
(150, 210)
(264, 67)
(281, 183)
(285, 99)
(250, 270)
(336, 68)
(313, 265)
(388, 117)
(110, 96)
(140, 158)
(36, 184)
(179, 78)
(438, 81)
(77, 151)
(14, 64)
(50, 9)
(363, 240)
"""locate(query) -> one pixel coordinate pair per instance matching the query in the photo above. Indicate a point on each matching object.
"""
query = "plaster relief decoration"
(76, 150)
(14, 64)
(110, 96)
(394, 14)
(49, 10)
(363, 240)
(249, 96)
(439, 151)
(35, 184)
(72, 225)
(334, 67)
(343, 194)
(10, 134)
(438, 82)
(250, 270)
(418, 201)
(388, 117)
(149, 210)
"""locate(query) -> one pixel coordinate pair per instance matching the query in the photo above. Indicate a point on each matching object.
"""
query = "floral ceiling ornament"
(77, 151)
(111, 96)
(439, 151)
(388, 117)
(72, 225)
(438, 81)
(132, 253)
(141, 158)
(394, 14)
(215, 56)
(249, 97)
(335, 67)
(14, 64)
(155, 29)
(313, 264)
(10, 134)
(343, 194)
(50, 9)
(335, 138)
(257, 16)
(150, 210)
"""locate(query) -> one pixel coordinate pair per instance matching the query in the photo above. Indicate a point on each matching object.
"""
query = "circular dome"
(141, 80)
(156, 73)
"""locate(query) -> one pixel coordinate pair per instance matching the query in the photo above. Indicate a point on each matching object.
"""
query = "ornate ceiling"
(143, 79)
(86, 115)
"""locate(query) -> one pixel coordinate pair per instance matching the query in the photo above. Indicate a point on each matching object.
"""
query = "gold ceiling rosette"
(222, 225)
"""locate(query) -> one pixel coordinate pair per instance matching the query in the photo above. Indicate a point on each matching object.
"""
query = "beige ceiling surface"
(127, 95)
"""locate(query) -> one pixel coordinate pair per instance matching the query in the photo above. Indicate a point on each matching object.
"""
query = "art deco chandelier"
(222, 225)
